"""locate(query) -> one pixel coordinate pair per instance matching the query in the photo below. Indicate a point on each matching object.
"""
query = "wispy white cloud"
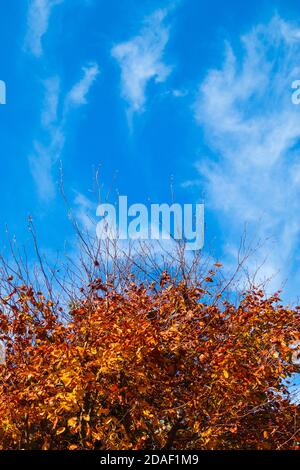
(252, 126)
(141, 60)
(85, 213)
(78, 94)
(51, 101)
(39, 13)
(179, 93)
(48, 148)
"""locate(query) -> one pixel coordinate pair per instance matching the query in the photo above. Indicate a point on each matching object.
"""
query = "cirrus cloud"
(48, 148)
(39, 13)
(141, 60)
(253, 130)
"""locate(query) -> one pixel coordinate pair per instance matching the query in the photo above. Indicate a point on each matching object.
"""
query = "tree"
(148, 366)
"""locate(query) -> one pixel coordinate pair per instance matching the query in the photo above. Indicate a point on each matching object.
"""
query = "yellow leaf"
(72, 422)
(196, 426)
(265, 434)
(60, 431)
(226, 375)
(65, 378)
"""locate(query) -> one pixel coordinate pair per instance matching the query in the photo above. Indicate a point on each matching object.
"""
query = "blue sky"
(148, 91)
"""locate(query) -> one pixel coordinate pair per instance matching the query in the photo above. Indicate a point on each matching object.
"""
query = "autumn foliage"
(147, 367)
